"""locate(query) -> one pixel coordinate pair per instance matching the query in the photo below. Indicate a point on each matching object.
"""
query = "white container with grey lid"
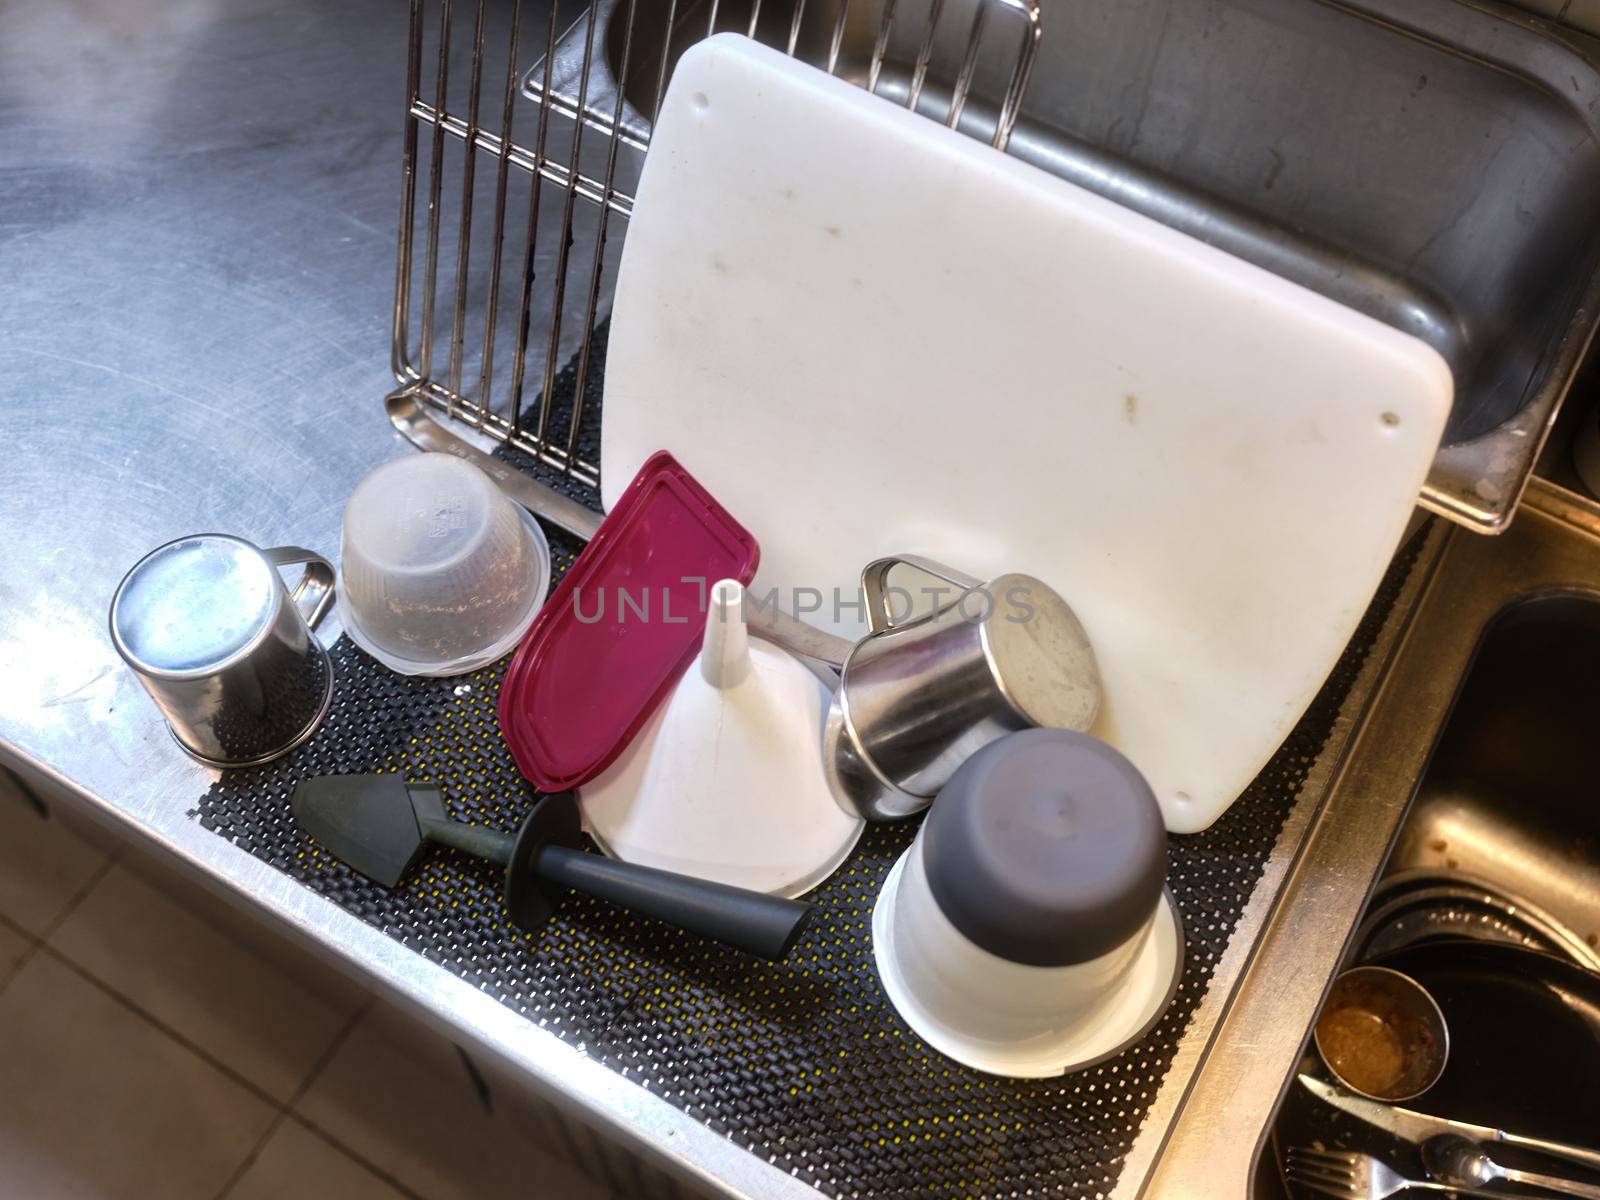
(1027, 931)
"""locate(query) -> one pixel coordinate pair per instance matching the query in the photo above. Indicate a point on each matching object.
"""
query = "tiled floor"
(152, 1044)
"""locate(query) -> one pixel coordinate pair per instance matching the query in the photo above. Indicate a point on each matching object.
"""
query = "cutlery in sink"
(1455, 1160)
(1418, 1128)
(1346, 1175)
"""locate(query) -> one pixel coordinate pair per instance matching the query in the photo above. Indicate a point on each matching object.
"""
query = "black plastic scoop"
(379, 825)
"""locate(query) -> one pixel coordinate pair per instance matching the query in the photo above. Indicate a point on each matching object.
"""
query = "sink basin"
(1511, 795)
(1433, 163)
(1508, 799)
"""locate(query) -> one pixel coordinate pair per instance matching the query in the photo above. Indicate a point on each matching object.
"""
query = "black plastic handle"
(480, 840)
(753, 921)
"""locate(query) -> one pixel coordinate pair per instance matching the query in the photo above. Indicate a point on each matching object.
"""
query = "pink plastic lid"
(624, 623)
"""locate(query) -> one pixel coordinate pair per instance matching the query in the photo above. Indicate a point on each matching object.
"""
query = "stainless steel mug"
(224, 649)
(917, 697)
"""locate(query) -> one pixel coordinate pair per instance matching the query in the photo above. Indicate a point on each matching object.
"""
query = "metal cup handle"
(875, 584)
(313, 594)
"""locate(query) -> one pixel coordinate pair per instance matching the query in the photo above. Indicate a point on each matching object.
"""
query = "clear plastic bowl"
(440, 573)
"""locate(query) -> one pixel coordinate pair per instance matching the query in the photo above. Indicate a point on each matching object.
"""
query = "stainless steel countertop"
(197, 215)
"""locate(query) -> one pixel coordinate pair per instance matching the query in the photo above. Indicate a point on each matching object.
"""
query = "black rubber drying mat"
(802, 1062)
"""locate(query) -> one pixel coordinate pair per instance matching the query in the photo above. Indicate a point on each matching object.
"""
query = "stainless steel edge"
(1219, 1122)
(1479, 483)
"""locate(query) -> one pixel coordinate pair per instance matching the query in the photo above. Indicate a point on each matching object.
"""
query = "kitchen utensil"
(223, 649)
(1381, 1034)
(1417, 1128)
(1350, 1176)
(1215, 464)
(1461, 1162)
(439, 573)
(724, 782)
(766, 621)
(379, 825)
(625, 621)
(1026, 931)
(916, 699)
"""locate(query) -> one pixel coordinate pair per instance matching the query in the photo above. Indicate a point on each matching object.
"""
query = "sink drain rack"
(515, 193)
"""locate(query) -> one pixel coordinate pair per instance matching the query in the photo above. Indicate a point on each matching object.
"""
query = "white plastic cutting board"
(866, 334)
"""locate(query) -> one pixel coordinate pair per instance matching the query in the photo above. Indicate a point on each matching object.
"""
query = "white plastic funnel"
(725, 782)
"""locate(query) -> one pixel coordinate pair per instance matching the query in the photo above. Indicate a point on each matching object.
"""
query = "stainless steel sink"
(1513, 793)
(1475, 757)
(1509, 799)
(1433, 163)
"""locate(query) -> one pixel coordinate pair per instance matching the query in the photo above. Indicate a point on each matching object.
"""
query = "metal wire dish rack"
(526, 127)
(1237, 125)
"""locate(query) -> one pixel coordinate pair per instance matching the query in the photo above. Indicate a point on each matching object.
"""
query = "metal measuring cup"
(918, 697)
(224, 649)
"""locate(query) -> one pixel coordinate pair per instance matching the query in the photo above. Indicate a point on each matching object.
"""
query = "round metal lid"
(1046, 847)
(1040, 654)
(191, 605)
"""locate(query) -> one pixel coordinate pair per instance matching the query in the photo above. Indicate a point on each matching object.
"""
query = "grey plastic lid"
(1047, 848)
